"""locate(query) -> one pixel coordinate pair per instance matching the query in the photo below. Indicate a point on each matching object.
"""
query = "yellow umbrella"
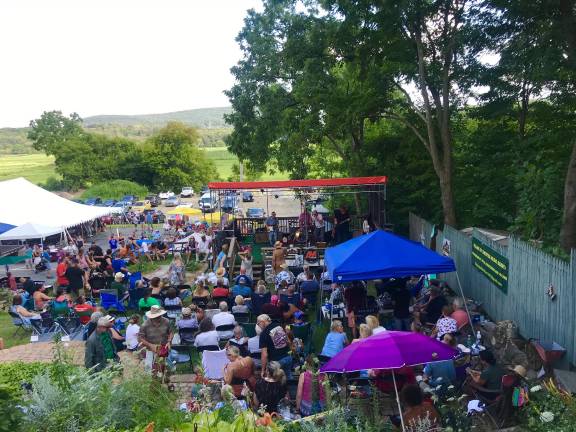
(214, 218)
(186, 211)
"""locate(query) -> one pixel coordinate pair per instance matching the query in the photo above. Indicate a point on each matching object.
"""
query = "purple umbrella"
(390, 350)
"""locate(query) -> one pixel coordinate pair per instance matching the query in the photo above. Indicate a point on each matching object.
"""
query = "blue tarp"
(5, 227)
(381, 254)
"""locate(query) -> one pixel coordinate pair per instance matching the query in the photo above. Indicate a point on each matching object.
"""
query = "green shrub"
(53, 184)
(12, 375)
(115, 189)
(10, 414)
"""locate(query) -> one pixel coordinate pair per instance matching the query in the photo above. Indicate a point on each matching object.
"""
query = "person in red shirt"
(61, 272)
(82, 308)
(220, 290)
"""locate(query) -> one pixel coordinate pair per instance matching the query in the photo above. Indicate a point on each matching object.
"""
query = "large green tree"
(171, 159)
(54, 129)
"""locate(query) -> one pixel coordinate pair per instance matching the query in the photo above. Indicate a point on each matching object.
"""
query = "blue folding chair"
(109, 301)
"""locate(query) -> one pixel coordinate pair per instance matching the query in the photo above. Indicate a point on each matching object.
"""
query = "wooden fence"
(531, 272)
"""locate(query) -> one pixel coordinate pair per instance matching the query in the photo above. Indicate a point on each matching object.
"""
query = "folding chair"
(224, 328)
(109, 301)
(213, 363)
(187, 336)
(242, 317)
(18, 322)
(134, 296)
(208, 348)
(173, 311)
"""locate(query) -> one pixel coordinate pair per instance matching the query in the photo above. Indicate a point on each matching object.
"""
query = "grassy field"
(38, 167)
(34, 167)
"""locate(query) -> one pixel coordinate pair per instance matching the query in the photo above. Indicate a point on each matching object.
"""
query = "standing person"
(61, 268)
(246, 264)
(319, 226)
(76, 279)
(310, 397)
(113, 243)
(278, 257)
(100, 347)
(203, 248)
(155, 335)
(177, 270)
(342, 224)
(220, 261)
(272, 227)
(401, 297)
(274, 345)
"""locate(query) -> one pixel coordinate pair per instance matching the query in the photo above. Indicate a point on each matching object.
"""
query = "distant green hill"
(204, 118)
(209, 121)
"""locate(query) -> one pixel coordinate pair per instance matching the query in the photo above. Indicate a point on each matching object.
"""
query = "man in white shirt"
(224, 318)
(202, 247)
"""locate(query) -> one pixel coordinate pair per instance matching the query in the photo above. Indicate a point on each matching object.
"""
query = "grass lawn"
(34, 167)
(7, 332)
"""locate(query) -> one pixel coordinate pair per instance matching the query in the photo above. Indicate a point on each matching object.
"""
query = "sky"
(116, 56)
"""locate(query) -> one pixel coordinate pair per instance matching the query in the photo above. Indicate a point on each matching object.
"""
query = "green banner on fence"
(491, 264)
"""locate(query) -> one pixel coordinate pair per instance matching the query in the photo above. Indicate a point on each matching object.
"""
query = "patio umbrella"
(187, 211)
(389, 350)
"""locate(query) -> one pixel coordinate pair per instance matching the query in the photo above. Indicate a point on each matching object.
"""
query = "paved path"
(41, 352)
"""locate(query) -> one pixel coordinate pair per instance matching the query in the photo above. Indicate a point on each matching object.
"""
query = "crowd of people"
(263, 329)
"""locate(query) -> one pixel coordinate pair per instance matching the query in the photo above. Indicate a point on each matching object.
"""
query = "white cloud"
(116, 56)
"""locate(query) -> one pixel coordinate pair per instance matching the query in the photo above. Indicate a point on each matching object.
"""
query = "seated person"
(271, 388)
(299, 318)
(305, 275)
(459, 313)
(148, 301)
(284, 275)
(310, 285)
(490, 378)
(374, 324)
(220, 291)
(446, 324)
(433, 308)
(241, 288)
(118, 284)
(223, 318)
(239, 371)
(239, 306)
(80, 307)
(172, 298)
(132, 333)
(189, 318)
(254, 349)
(200, 290)
(156, 286)
(288, 311)
(24, 313)
(243, 276)
(335, 340)
(206, 336)
(239, 340)
(261, 287)
(442, 372)
(385, 382)
(272, 309)
(416, 408)
(40, 298)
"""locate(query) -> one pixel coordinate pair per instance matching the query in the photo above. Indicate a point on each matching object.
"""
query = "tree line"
(169, 159)
(467, 105)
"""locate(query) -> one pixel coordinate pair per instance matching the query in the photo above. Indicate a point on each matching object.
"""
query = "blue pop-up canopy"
(381, 254)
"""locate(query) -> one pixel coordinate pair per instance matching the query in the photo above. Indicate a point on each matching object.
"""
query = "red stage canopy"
(296, 184)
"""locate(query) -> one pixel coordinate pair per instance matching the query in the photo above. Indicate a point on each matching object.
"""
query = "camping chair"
(502, 409)
(64, 316)
(29, 304)
(249, 329)
(19, 322)
(181, 354)
(258, 300)
(490, 397)
(173, 311)
(303, 332)
(109, 301)
(213, 363)
(217, 300)
(134, 297)
(187, 336)
(224, 328)
(242, 317)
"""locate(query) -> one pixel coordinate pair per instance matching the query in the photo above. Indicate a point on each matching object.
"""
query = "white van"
(207, 203)
(187, 192)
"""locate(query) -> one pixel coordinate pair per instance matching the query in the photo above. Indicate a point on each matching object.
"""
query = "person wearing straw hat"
(155, 336)
(278, 257)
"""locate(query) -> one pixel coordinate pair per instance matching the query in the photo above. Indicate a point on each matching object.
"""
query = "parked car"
(207, 203)
(173, 201)
(154, 200)
(93, 201)
(230, 203)
(247, 196)
(110, 203)
(255, 213)
(130, 199)
(78, 200)
(204, 190)
(140, 206)
(186, 192)
(166, 195)
(126, 204)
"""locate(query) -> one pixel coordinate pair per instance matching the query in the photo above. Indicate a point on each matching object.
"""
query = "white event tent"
(36, 212)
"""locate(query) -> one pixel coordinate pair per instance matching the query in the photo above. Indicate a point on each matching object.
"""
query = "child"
(132, 333)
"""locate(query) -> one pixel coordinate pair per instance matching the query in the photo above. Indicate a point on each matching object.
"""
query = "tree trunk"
(447, 197)
(568, 231)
